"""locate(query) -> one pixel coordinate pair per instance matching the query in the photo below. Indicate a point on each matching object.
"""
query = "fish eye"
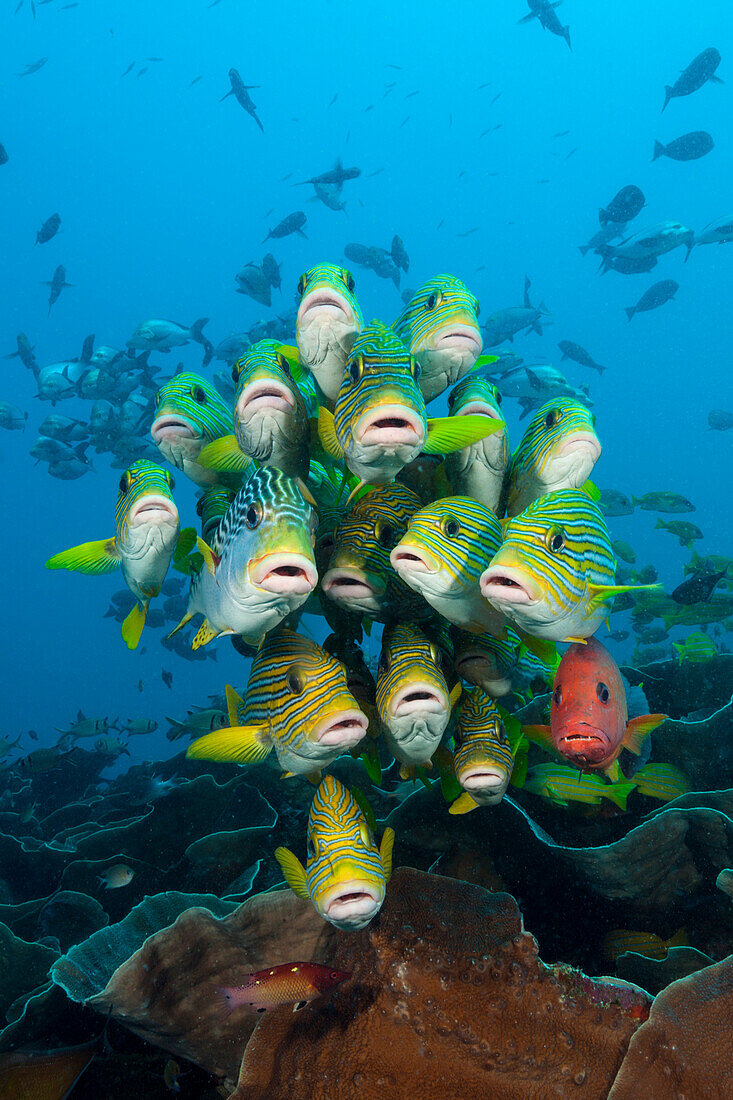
(171, 481)
(253, 515)
(384, 533)
(434, 300)
(311, 848)
(435, 654)
(384, 663)
(602, 692)
(200, 507)
(355, 369)
(451, 527)
(158, 398)
(415, 368)
(554, 540)
(302, 283)
(283, 364)
(295, 681)
(477, 307)
(553, 417)
(451, 399)
(235, 374)
(199, 395)
(333, 975)
(125, 482)
(348, 279)
(497, 397)
(557, 696)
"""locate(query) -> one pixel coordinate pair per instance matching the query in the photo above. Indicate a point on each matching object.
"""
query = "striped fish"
(440, 327)
(329, 320)
(488, 662)
(621, 940)
(563, 785)
(413, 699)
(379, 423)
(189, 414)
(558, 451)
(211, 507)
(483, 757)
(146, 533)
(346, 873)
(271, 424)
(360, 577)
(447, 547)
(259, 564)
(478, 471)
(697, 648)
(555, 570)
(297, 703)
(662, 781)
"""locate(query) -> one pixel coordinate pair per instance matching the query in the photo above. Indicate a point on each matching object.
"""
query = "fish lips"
(263, 396)
(475, 407)
(170, 426)
(350, 586)
(462, 339)
(390, 427)
(323, 302)
(583, 449)
(584, 744)
(408, 559)
(284, 574)
(508, 584)
(352, 904)
(418, 697)
(152, 510)
(342, 730)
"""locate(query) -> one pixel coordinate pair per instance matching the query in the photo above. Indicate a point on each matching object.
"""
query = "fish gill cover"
(366, 398)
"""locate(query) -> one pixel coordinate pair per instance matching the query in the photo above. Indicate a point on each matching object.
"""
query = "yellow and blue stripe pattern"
(142, 478)
(530, 465)
(196, 400)
(338, 279)
(267, 359)
(340, 844)
(441, 301)
(407, 656)
(479, 735)
(461, 535)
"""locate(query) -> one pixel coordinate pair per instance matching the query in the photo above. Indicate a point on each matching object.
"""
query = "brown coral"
(448, 999)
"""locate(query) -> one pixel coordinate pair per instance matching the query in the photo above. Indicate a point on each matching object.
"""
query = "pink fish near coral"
(294, 983)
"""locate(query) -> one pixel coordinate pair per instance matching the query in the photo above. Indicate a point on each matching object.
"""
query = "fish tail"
(630, 311)
(667, 95)
(658, 150)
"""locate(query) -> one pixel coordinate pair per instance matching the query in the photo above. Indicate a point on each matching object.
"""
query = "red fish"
(294, 983)
(589, 723)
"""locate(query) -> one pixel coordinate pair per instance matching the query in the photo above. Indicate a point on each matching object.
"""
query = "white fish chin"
(170, 427)
(151, 511)
(342, 730)
(505, 585)
(353, 905)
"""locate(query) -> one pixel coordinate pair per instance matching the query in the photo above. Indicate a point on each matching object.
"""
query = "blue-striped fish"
(346, 873)
(146, 533)
(447, 547)
(189, 414)
(329, 320)
(554, 573)
(488, 662)
(297, 703)
(483, 756)
(211, 507)
(621, 940)
(440, 327)
(413, 699)
(558, 451)
(271, 424)
(563, 785)
(697, 648)
(478, 471)
(259, 564)
(662, 781)
(360, 577)
(379, 423)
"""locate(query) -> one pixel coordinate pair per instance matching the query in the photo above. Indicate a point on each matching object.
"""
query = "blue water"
(164, 192)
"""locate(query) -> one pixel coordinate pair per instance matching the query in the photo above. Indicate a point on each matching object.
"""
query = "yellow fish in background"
(662, 781)
(145, 539)
(620, 940)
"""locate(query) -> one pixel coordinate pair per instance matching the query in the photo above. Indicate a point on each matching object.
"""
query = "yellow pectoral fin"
(211, 560)
(591, 490)
(293, 872)
(452, 433)
(601, 592)
(234, 701)
(186, 619)
(184, 546)
(235, 744)
(224, 456)
(545, 650)
(484, 361)
(463, 804)
(455, 694)
(385, 851)
(541, 736)
(327, 434)
(639, 729)
(613, 771)
(619, 792)
(133, 625)
(95, 558)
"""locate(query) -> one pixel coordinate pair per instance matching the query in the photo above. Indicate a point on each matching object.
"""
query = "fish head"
(344, 872)
(189, 413)
(476, 396)
(413, 699)
(560, 446)
(482, 758)
(266, 390)
(380, 417)
(145, 505)
(550, 554)
(588, 712)
(485, 661)
(328, 321)
(440, 327)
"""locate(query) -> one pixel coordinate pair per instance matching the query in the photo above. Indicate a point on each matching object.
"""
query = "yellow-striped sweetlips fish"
(145, 538)
(413, 698)
(440, 327)
(558, 451)
(483, 756)
(662, 781)
(359, 576)
(621, 940)
(346, 874)
(189, 413)
(486, 661)
(563, 785)
(444, 552)
(297, 702)
(329, 320)
(259, 564)
(554, 574)
(211, 507)
(379, 423)
(478, 471)
(271, 424)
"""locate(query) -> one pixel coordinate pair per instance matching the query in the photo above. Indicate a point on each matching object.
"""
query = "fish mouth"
(406, 559)
(284, 574)
(344, 730)
(266, 395)
(585, 745)
(482, 778)
(417, 698)
(478, 408)
(390, 425)
(580, 443)
(326, 301)
(461, 338)
(152, 509)
(169, 426)
(350, 584)
(505, 584)
(352, 903)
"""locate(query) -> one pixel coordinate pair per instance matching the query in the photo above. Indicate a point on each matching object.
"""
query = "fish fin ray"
(235, 744)
(93, 558)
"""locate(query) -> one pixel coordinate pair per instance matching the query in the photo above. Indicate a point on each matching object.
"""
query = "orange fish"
(43, 1075)
(589, 721)
(294, 983)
